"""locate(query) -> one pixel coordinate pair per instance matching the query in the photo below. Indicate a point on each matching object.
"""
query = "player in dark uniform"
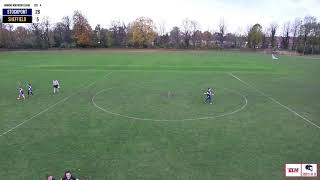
(209, 95)
(30, 92)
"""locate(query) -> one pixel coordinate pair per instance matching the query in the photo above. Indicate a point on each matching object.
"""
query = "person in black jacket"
(68, 176)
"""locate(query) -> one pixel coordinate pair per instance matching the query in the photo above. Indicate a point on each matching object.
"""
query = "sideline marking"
(272, 99)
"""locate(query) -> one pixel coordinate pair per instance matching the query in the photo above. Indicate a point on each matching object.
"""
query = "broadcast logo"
(301, 170)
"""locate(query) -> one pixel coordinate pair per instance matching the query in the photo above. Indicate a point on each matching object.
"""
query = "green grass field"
(140, 115)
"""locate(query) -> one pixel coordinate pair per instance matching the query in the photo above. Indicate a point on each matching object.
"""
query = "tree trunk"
(304, 44)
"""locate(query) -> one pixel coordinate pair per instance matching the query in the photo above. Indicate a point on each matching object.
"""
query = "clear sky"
(238, 14)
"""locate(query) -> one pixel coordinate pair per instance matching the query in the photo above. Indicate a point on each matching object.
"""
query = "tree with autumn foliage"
(141, 32)
(81, 29)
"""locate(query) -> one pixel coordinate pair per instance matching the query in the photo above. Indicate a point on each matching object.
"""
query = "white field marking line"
(43, 111)
(148, 119)
(48, 108)
(105, 76)
(272, 99)
(120, 65)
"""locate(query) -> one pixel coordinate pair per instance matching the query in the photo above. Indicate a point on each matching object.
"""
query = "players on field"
(56, 86)
(209, 95)
(21, 94)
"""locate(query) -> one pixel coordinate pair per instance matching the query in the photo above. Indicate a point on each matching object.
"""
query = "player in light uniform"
(209, 96)
(56, 86)
(21, 94)
(30, 92)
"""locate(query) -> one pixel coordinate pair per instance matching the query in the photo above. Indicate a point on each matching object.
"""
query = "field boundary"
(277, 102)
(51, 106)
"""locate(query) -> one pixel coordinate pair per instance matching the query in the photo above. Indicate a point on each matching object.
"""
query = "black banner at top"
(17, 19)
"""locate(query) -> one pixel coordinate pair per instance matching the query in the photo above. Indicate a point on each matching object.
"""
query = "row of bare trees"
(302, 35)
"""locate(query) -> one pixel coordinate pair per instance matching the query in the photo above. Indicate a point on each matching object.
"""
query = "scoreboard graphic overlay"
(20, 11)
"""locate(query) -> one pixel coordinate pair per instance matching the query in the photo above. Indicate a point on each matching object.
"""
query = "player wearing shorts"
(30, 92)
(21, 94)
(55, 86)
(209, 95)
